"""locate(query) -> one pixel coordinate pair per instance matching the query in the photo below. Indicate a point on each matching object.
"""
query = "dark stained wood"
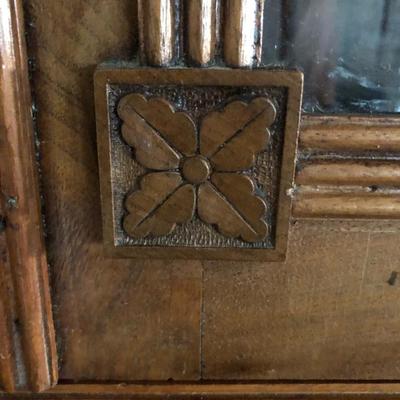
(228, 202)
(8, 368)
(160, 135)
(144, 313)
(229, 138)
(348, 168)
(363, 173)
(350, 133)
(292, 391)
(162, 201)
(350, 203)
(328, 312)
(32, 325)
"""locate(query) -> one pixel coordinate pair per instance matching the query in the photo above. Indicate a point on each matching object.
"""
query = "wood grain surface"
(264, 391)
(157, 31)
(144, 313)
(328, 313)
(242, 32)
(202, 20)
(348, 167)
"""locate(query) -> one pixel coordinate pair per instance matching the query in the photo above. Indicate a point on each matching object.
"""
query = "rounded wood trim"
(21, 205)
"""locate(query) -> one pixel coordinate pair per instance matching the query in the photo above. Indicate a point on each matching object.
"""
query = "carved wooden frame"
(290, 81)
(23, 274)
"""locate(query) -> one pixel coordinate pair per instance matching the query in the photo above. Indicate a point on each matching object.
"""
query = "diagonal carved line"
(237, 133)
(157, 206)
(156, 131)
(233, 207)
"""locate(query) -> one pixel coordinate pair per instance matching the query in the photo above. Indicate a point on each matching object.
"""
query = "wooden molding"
(202, 22)
(348, 167)
(239, 22)
(243, 32)
(157, 31)
(33, 324)
(208, 391)
(350, 133)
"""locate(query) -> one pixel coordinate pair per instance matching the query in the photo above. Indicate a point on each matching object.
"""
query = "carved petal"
(161, 202)
(158, 133)
(230, 204)
(231, 138)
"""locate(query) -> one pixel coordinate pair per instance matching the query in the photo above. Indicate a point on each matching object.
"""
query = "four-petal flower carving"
(191, 173)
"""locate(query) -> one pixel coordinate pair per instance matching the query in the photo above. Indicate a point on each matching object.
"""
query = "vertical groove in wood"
(243, 32)
(21, 203)
(201, 30)
(157, 31)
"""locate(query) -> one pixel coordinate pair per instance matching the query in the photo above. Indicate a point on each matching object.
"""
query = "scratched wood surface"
(329, 312)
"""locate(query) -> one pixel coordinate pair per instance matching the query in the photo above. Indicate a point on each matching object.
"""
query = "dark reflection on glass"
(349, 51)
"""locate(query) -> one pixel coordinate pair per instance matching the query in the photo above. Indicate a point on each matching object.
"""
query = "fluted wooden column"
(204, 26)
(157, 31)
(202, 21)
(243, 32)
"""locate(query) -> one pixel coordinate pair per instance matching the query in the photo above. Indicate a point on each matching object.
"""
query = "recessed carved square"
(197, 163)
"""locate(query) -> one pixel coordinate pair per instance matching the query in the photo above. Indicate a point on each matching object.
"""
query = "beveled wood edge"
(21, 205)
(292, 80)
(237, 391)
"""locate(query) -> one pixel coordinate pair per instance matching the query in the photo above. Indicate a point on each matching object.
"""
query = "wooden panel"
(27, 326)
(329, 312)
(143, 314)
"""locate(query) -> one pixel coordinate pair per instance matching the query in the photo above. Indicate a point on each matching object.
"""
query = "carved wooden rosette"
(196, 174)
(194, 171)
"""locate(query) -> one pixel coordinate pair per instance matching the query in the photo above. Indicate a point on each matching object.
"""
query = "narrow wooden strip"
(20, 201)
(243, 32)
(157, 31)
(201, 33)
(346, 205)
(350, 133)
(349, 173)
(234, 391)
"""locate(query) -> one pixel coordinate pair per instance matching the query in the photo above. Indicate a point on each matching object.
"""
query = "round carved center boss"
(196, 169)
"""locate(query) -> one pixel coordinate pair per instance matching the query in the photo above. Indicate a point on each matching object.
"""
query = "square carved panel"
(197, 163)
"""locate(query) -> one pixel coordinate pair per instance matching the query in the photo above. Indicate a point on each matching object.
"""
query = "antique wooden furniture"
(80, 322)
